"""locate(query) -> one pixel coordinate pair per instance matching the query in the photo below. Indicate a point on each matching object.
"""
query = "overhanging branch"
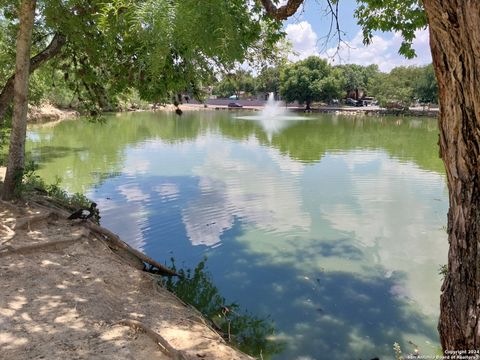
(282, 12)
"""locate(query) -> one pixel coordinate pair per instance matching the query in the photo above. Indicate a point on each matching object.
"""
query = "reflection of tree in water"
(250, 334)
(103, 148)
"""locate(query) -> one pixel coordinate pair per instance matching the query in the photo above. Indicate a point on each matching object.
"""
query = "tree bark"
(16, 154)
(52, 50)
(307, 105)
(455, 43)
(282, 12)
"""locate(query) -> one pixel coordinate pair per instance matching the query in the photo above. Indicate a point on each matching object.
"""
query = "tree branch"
(283, 12)
(334, 30)
(53, 49)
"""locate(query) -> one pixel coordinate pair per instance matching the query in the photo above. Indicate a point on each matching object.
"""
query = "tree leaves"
(402, 16)
(159, 47)
(305, 82)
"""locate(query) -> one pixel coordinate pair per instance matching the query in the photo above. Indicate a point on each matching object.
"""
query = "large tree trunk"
(53, 49)
(455, 43)
(16, 155)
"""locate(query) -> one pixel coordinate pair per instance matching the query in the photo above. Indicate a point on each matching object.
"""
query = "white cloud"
(303, 38)
(382, 51)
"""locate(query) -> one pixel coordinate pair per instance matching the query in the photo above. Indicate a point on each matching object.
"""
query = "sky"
(307, 29)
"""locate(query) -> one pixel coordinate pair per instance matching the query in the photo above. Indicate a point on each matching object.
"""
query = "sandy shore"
(67, 293)
(49, 113)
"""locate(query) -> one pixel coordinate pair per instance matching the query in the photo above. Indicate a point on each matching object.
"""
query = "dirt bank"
(67, 293)
(47, 113)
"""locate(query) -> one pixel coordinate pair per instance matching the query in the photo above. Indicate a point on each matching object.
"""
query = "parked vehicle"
(368, 100)
(353, 102)
(234, 105)
(350, 101)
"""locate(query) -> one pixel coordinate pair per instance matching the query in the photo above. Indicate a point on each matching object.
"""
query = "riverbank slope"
(66, 293)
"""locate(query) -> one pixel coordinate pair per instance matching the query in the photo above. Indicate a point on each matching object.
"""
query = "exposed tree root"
(165, 347)
(12, 207)
(32, 248)
(25, 223)
(51, 203)
(9, 236)
(117, 242)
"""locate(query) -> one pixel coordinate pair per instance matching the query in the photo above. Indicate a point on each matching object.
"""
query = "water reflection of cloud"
(132, 221)
(233, 187)
(132, 214)
(167, 190)
(378, 222)
(133, 193)
(136, 164)
(285, 163)
(208, 216)
(390, 211)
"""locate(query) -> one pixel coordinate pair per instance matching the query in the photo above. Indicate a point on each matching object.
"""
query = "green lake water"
(332, 226)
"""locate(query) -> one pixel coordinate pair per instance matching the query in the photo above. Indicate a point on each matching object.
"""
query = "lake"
(333, 226)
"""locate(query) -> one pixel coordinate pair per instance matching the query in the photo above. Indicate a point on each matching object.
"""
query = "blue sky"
(309, 26)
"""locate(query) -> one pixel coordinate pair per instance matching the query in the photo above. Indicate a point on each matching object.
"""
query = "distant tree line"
(306, 81)
(314, 80)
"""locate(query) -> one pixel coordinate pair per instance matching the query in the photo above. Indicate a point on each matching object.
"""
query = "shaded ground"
(65, 294)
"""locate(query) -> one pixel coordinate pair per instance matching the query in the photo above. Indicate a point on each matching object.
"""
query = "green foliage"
(405, 85)
(128, 52)
(7, 49)
(304, 81)
(4, 137)
(426, 87)
(225, 87)
(235, 83)
(359, 77)
(403, 16)
(166, 47)
(268, 80)
(158, 47)
(443, 270)
(245, 331)
(130, 99)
